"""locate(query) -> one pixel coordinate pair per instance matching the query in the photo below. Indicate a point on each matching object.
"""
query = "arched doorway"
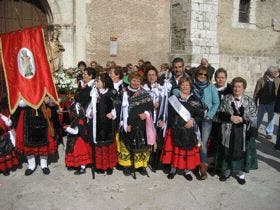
(17, 14)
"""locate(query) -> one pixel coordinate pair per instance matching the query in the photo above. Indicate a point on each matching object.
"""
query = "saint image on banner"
(26, 63)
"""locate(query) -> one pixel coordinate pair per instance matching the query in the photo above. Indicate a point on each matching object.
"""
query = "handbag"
(134, 141)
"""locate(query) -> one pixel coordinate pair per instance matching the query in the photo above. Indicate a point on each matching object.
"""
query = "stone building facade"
(247, 49)
(159, 30)
(211, 29)
(142, 29)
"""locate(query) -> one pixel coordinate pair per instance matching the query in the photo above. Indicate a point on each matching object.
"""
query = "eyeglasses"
(201, 74)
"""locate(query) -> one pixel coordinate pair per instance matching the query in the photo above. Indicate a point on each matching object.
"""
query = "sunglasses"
(202, 74)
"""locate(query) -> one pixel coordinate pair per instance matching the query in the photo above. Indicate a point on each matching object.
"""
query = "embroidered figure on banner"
(26, 64)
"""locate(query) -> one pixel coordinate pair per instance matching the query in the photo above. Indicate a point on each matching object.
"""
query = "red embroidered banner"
(26, 68)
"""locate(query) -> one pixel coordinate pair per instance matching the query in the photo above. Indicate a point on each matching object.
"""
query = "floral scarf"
(198, 91)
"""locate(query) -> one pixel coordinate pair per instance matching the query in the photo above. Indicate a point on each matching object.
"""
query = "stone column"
(67, 39)
(81, 30)
(199, 29)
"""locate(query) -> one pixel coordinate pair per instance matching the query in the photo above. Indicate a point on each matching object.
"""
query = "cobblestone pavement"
(63, 190)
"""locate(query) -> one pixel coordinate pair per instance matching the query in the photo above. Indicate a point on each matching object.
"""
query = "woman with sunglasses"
(207, 93)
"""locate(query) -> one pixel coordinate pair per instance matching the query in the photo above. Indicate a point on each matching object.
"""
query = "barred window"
(244, 11)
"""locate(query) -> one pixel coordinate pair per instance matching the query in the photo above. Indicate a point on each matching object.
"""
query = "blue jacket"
(211, 99)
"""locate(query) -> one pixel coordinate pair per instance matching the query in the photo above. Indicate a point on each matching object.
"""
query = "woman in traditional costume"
(83, 93)
(137, 107)
(223, 89)
(78, 148)
(238, 115)
(155, 90)
(105, 146)
(8, 156)
(116, 75)
(79, 153)
(34, 135)
(182, 141)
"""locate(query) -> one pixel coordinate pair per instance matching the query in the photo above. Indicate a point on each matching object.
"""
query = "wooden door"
(17, 14)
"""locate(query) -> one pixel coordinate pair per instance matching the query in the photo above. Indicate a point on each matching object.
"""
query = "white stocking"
(31, 162)
(241, 175)
(44, 161)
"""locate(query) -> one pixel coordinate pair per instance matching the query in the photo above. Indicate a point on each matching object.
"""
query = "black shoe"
(28, 172)
(119, 167)
(70, 169)
(277, 147)
(196, 173)
(171, 175)
(241, 181)
(109, 171)
(99, 171)
(127, 171)
(166, 169)
(223, 178)
(46, 170)
(6, 173)
(80, 171)
(143, 171)
(211, 170)
(188, 177)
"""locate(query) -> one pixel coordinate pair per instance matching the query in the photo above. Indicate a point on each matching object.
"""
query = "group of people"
(133, 118)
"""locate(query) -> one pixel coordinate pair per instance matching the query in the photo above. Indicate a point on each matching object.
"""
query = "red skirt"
(106, 156)
(81, 155)
(8, 161)
(49, 149)
(179, 158)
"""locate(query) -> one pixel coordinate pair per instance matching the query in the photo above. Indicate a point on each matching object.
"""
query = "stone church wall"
(142, 29)
(248, 49)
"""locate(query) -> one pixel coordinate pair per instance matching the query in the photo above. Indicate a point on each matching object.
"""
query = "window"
(244, 11)
(244, 14)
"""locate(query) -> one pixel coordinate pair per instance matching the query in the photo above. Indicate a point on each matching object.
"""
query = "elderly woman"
(238, 114)
(137, 107)
(208, 95)
(183, 137)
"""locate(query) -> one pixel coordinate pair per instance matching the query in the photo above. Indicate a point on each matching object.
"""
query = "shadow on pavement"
(267, 147)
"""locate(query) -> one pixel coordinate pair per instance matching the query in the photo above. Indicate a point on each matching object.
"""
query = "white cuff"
(7, 121)
(13, 137)
(73, 131)
(114, 113)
